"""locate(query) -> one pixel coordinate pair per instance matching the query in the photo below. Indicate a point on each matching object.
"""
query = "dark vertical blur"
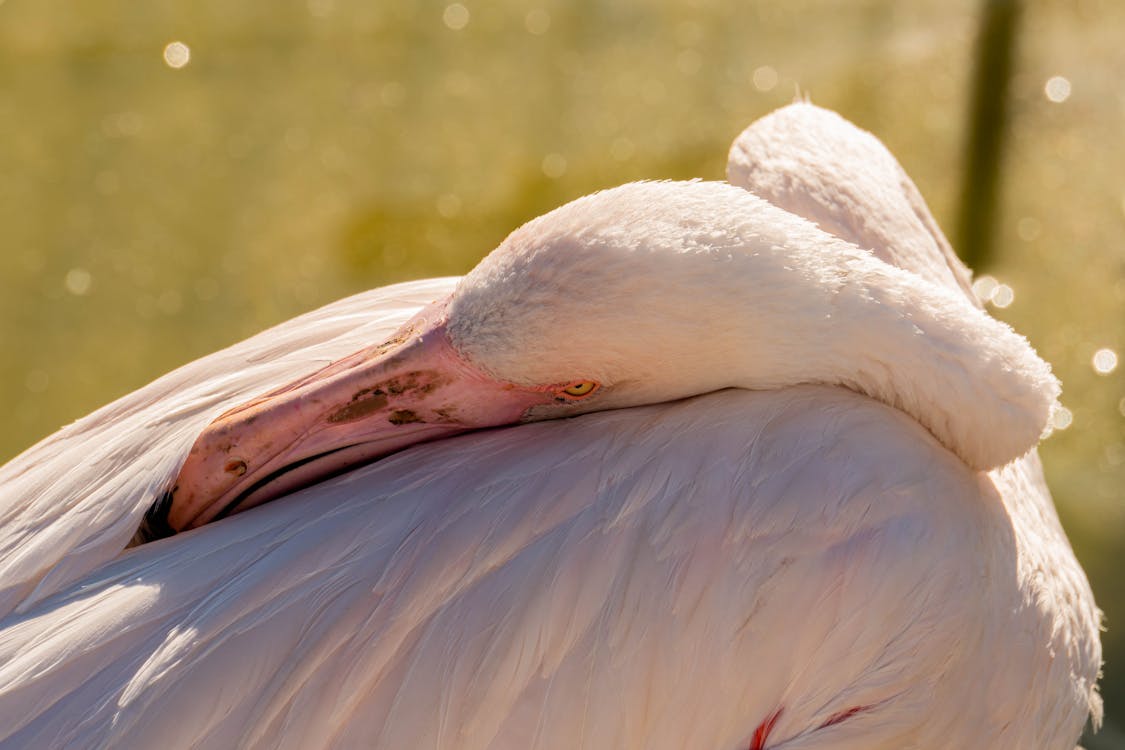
(988, 114)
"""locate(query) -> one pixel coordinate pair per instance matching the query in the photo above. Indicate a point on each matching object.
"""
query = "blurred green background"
(310, 149)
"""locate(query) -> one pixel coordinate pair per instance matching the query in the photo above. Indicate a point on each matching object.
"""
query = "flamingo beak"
(412, 388)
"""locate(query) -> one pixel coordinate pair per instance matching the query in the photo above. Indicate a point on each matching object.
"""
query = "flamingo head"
(641, 294)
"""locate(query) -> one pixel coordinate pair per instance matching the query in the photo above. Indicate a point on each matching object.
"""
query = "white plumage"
(798, 566)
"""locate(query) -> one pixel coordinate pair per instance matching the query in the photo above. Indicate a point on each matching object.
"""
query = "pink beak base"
(412, 388)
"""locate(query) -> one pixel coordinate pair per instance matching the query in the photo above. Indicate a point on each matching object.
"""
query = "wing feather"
(662, 577)
(74, 500)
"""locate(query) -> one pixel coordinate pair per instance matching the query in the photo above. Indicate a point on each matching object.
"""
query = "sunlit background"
(175, 176)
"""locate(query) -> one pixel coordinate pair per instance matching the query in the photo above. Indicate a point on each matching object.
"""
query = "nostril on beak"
(235, 466)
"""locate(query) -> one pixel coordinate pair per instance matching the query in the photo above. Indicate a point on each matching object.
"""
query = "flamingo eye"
(580, 388)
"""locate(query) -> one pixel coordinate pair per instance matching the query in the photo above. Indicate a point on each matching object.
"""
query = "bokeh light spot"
(983, 287)
(455, 17)
(991, 292)
(177, 55)
(78, 281)
(1104, 361)
(1062, 418)
(554, 165)
(1002, 296)
(449, 205)
(764, 78)
(1057, 89)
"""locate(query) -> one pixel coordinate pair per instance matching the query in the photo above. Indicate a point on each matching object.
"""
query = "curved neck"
(665, 290)
(974, 383)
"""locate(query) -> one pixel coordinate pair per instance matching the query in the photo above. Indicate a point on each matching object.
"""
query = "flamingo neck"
(664, 290)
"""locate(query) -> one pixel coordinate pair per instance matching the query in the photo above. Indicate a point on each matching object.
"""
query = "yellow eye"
(580, 388)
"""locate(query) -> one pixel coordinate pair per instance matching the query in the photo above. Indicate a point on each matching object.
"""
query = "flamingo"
(679, 464)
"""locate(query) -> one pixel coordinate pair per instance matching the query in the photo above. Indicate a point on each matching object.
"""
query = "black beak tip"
(155, 523)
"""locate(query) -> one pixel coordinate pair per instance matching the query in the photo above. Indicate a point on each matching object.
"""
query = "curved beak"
(411, 388)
